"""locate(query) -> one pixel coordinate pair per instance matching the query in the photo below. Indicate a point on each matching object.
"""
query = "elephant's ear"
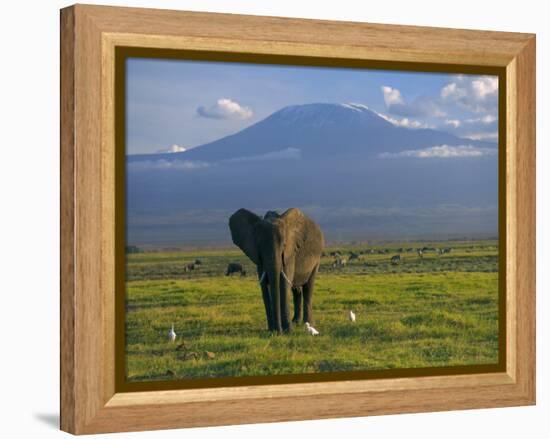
(242, 224)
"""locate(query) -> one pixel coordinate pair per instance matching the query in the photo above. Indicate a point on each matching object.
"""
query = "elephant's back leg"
(297, 296)
(308, 289)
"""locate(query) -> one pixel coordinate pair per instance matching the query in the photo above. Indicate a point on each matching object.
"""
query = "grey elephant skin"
(286, 250)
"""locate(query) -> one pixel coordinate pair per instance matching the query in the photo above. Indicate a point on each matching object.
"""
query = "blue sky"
(172, 104)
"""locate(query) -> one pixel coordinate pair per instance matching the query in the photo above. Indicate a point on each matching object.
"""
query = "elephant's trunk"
(274, 275)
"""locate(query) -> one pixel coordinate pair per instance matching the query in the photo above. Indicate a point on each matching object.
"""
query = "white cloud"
(183, 165)
(225, 108)
(452, 91)
(172, 149)
(404, 122)
(189, 165)
(443, 151)
(477, 128)
(486, 120)
(392, 96)
(475, 93)
(485, 86)
(283, 154)
(420, 107)
(492, 135)
(453, 122)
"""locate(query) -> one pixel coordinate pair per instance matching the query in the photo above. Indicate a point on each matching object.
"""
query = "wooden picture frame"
(90, 36)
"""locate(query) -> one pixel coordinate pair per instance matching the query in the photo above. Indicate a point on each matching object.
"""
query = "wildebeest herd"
(341, 258)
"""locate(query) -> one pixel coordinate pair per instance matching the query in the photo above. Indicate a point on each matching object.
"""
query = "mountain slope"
(317, 130)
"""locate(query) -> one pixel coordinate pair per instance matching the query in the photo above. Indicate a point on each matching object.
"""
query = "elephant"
(286, 250)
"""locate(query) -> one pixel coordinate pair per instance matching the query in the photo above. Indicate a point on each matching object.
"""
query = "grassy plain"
(439, 310)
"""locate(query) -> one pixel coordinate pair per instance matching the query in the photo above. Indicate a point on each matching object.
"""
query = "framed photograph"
(267, 219)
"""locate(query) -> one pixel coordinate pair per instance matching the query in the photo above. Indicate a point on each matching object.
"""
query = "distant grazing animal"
(400, 250)
(171, 334)
(353, 256)
(339, 262)
(235, 267)
(447, 250)
(198, 262)
(396, 259)
(189, 267)
(409, 250)
(311, 330)
(420, 253)
(351, 316)
(335, 253)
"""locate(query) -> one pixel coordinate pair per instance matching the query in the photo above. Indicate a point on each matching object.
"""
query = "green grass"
(437, 311)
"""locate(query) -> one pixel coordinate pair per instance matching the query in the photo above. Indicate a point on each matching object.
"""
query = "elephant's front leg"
(267, 304)
(297, 296)
(285, 305)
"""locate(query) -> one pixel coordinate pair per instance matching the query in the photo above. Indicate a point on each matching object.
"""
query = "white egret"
(171, 334)
(311, 330)
(351, 316)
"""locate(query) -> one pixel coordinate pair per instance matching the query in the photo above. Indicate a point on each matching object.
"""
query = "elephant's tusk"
(286, 278)
(262, 277)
